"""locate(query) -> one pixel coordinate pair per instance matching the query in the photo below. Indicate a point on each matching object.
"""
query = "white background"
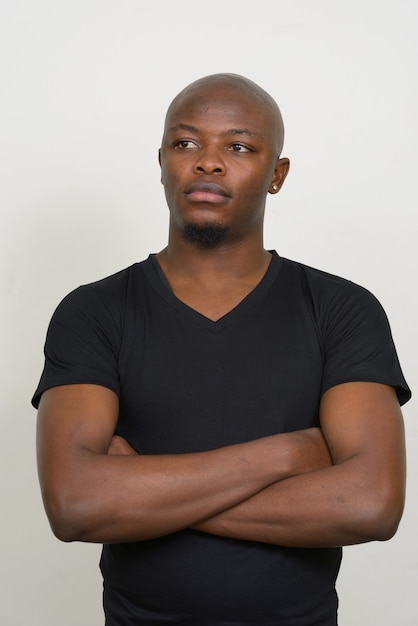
(84, 88)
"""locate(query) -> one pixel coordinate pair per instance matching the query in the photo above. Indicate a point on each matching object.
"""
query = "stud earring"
(274, 187)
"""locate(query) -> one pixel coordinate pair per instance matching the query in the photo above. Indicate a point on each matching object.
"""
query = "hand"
(119, 446)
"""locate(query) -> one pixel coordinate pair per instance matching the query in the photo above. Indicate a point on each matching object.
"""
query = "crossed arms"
(341, 484)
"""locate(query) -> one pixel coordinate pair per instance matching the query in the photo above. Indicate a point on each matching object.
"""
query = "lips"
(206, 192)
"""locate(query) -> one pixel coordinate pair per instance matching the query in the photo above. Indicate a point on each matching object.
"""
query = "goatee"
(208, 236)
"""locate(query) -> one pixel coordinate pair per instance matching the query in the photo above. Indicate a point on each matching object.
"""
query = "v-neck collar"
(159, 282)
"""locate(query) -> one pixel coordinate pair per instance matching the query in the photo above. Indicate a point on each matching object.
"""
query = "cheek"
(253, 190)
(252, 200)
(253, 179)
(165, 173)
(172, 175)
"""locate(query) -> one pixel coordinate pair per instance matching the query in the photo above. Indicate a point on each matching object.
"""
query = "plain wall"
(85, 85)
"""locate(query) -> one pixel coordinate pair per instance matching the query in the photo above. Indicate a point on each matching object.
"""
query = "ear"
(159, 161)
(280, 172)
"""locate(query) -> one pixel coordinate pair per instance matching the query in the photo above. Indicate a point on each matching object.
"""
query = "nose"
(209, 161)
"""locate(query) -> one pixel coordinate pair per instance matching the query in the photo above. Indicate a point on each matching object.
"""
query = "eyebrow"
(243, 131)
(231, 131)
(191, 129)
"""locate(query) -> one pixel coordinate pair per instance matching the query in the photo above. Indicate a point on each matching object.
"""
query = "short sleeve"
(358, 341)
(82, 343)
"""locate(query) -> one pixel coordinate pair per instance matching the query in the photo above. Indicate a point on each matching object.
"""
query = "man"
(222, 419)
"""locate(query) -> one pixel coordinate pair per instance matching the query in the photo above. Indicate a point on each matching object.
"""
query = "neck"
(228, 260)
(213, 282)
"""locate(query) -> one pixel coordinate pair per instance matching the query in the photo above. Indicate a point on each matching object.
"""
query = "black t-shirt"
(188, 384)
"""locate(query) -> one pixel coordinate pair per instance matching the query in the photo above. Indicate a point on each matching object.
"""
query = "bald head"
(227, 84)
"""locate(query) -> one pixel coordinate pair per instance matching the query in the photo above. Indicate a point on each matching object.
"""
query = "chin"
(206, 235)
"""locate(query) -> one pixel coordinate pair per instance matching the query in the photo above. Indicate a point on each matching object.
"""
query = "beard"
(208, 236)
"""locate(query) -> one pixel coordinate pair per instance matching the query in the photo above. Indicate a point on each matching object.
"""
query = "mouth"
(211, 193)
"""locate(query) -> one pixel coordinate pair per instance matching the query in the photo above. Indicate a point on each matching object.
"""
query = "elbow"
(380, 516)
(388, 521)
(65, 518)
(64, 530)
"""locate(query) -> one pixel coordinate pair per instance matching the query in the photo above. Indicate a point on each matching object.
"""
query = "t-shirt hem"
(76, 381)
(403, 392)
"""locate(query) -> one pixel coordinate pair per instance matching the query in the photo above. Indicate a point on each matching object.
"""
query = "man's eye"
(239, 147)
(185, 144)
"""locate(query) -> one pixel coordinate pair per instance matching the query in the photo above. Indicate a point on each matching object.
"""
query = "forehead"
(223, 107)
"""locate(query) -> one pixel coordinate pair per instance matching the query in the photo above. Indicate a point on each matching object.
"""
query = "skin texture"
(337, 485)
(220, 131)
(258, 518)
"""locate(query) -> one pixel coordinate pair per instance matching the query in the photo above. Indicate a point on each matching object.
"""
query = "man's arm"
(90, 495)
(360, 498)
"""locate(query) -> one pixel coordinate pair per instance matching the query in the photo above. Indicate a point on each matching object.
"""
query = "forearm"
(126, 498)
(114, 498)
(334, 506)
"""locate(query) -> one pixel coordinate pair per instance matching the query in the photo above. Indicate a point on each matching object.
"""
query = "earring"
(274, 188)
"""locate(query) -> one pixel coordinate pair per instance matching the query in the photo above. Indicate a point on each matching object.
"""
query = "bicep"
(364, 421)
(72, 419)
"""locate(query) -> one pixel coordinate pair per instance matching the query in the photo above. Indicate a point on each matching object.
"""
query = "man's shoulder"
(322, 281)
(117, 280)
(328, 294)
(108, 292)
